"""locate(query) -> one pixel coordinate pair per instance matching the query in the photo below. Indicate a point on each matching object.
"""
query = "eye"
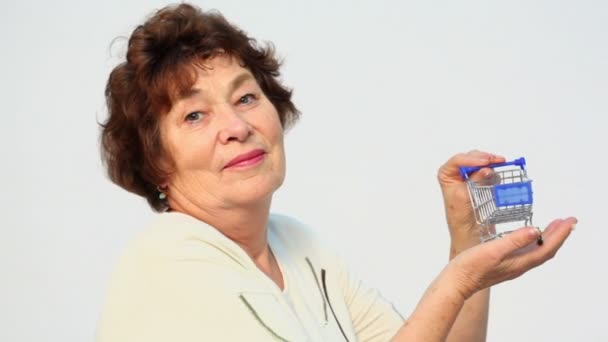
(247, 99)
(194, 116)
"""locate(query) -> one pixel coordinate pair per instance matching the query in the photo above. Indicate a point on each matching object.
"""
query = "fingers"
(550, 230)
(521, 243)
(493, 158)
(515, 241)
(531, 247)
(553, 238)
(485, 174)
(472, 158)
(512, 255)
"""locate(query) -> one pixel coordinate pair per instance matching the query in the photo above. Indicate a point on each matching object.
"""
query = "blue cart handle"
(465, 171)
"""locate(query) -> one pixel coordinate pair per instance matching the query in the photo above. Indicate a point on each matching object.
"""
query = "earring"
(161, 192)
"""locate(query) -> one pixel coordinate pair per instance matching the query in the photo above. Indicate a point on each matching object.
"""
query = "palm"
(458, 207)
(456, 199)
(504, 259)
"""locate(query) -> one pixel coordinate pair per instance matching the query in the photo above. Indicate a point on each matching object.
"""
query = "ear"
(164, 163)
(166, 167)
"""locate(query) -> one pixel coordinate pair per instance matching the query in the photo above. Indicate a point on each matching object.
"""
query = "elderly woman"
(196, 122)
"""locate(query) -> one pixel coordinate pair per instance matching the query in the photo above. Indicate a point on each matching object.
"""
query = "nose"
(233, 126)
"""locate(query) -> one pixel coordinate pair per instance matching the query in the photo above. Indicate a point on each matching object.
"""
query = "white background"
(388, 90)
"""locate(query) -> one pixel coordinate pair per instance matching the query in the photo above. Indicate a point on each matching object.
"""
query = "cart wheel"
(540, 240)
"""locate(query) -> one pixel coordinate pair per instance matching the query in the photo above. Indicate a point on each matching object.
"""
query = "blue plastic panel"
(513, 194)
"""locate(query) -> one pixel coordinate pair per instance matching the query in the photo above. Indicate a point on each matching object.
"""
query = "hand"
(458, 208)
(507, 258)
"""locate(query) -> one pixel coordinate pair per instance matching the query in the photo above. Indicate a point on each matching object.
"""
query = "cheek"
(195, 157)
(273, 127)
(271, 131)
(280, 150)
(275, 137)
(190, 153)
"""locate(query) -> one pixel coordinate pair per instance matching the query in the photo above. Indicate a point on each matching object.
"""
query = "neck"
(245, 225)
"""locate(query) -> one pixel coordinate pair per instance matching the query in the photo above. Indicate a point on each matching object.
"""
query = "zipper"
(329, 303)
(314, 273)
(325, 296)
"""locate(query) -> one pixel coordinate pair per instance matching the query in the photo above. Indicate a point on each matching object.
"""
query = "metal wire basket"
(505, 197)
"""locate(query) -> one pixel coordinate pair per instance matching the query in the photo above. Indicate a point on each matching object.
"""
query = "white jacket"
(182, 280)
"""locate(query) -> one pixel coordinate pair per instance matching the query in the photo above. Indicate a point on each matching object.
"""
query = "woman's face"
(224, 139)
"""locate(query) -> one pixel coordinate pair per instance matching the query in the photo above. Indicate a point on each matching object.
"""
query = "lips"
(245, 159)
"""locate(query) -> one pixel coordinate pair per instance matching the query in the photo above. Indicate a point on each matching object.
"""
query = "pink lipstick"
(246, 159)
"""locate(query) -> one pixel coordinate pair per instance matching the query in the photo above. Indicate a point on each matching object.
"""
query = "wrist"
(458, 244)
(460, 281)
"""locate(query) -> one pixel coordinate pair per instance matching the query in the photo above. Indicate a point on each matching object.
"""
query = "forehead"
(220, 64)
(220, 73)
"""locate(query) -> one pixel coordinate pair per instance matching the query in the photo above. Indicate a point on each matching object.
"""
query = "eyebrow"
(238, 81)
(232, 86)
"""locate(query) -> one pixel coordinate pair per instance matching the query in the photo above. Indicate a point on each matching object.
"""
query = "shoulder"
(176, 248)
(175, 274)
(163, 232)
(176, 236)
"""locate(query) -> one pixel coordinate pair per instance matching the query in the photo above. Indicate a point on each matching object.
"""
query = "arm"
(477, 269)
(435, 313)
(472, 321)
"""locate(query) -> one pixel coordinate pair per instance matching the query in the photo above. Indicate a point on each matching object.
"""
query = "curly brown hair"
(161, 59)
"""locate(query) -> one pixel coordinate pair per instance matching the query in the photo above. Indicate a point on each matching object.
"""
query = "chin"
(252, 192)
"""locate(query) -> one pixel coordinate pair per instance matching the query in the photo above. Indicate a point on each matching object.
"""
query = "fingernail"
(573, 227)
(535, 232)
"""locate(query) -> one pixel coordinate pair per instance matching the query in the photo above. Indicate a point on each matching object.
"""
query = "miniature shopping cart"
(504, 197)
